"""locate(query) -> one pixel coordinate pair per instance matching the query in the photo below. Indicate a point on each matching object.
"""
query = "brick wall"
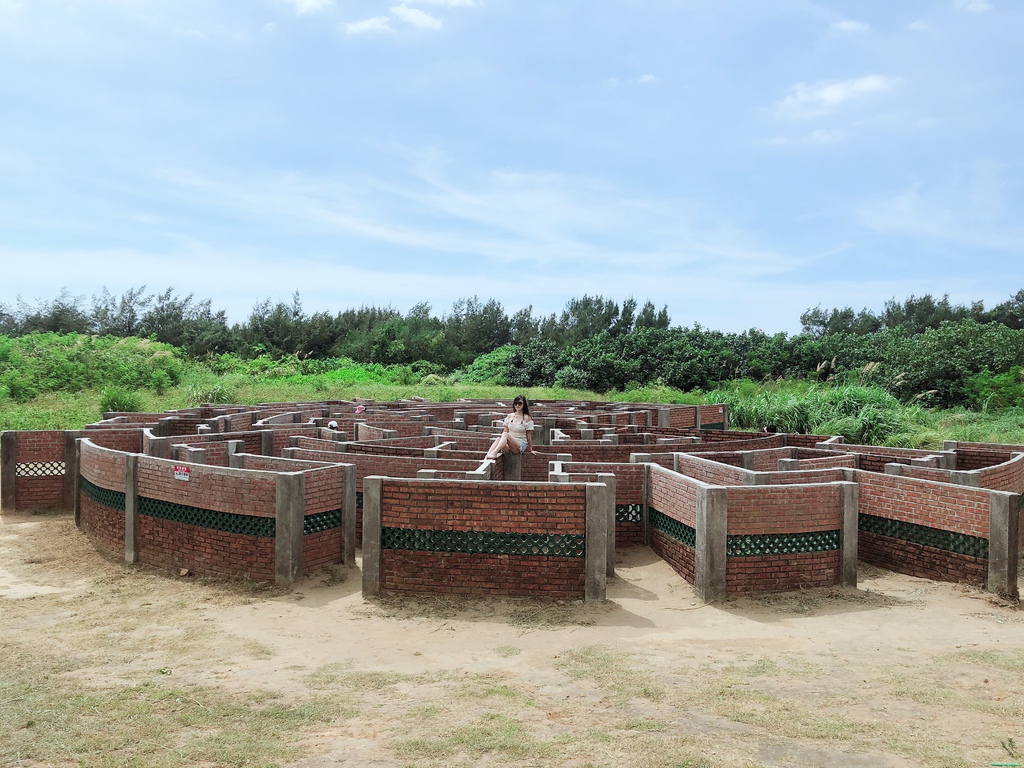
(675, 496)
(548, 508)
(104, 468)
(710, 472)
(37, 455)
(958, 509)
(629, 491)
(783, 511)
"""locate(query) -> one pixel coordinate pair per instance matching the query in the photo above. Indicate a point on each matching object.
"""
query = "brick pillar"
(8, 469)
(710, 557)
(290, 508)
(372, 491)
(1003, 542)
(599, 496)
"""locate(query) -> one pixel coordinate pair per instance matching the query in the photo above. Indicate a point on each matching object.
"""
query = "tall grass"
(864, 415)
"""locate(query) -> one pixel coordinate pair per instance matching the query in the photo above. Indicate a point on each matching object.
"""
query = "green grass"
(861, 414)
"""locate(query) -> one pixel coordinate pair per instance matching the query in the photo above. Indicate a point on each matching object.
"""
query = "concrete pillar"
(131, 508)
(609, 479)
(513, 469)
(70, 467)
(710, 555)
(894, 469)
(372, 490)
(8, 469)
(77, 478)
(426, 474)
(789, 465)
(195, 455)
(639, 458)
(586, 434)
(1003, 542)
(204, 429)
(430, 453)
(596, 567)
(645, 510)
(290, 506)
(348, 517)
(235, 446)
(748, 458)
(267, 442)
(696, 416)
(664, 417)
(966, 477)
(849, 501)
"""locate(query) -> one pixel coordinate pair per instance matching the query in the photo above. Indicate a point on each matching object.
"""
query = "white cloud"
(374, 24)
(969, 208)
(416, 17)
(850, 27)
(824, 138)
(646, 78)
(917, 26)
(449, 3)
(813, 99)
(309, 6)
(973, 6)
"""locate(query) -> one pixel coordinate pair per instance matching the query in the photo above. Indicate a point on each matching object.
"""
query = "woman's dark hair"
(525, 402)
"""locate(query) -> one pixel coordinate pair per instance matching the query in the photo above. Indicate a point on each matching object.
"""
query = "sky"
(738, 161)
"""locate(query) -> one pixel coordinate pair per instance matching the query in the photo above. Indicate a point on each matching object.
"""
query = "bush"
(199, 389)
(120, 400)
(571, 378)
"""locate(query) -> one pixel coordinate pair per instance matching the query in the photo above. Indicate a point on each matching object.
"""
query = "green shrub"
(570, 377)
(116, 399)
(199, 389)
(987, 390)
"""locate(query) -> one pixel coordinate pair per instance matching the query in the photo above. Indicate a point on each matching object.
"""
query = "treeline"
(368, 334)
(921, 350)
(914, 315)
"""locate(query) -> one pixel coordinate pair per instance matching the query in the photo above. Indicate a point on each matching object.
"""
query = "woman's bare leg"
(496, 447)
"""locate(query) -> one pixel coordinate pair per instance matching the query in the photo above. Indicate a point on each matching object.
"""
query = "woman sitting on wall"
(517, 437)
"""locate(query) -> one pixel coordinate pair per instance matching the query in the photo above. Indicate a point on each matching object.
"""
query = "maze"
(272, 492)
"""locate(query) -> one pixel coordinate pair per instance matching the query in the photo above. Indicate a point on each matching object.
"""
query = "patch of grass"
(645, 724)
(611, 670)
(342, 678)
(51, 719)
(498, 736)
(506, 651)
(936, 695)
(1012, 660)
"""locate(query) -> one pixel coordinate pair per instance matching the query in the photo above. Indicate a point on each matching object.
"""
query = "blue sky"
(738, 161)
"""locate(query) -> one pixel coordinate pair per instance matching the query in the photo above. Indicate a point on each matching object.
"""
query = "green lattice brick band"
(629, 513)
(246, 525)
(322, 521)
(672, 528)
(484, 542)
(359, 499)
(948, 541)
(102, 496)
(759, 545)
(715, 425)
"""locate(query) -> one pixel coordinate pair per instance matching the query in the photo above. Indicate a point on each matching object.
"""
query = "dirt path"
(901, 672)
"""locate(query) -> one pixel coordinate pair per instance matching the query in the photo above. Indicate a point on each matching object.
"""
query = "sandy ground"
(899, 672)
